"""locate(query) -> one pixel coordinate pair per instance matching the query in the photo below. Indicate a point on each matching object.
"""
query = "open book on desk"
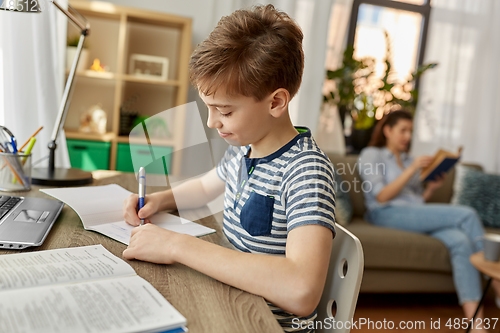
(101, 209)
(80, 289)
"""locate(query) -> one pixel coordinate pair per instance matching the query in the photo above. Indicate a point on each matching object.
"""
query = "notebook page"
(121, 231)
(126, 304)
(94, 204)
(100, 209)
(180, 225)
(41, 268)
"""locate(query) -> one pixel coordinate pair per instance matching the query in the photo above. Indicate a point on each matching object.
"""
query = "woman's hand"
(421, 162)
(152, 243)
(433, 186)
(131, 204)
(437, 182)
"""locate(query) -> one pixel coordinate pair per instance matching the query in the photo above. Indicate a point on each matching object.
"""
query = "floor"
(416, 312)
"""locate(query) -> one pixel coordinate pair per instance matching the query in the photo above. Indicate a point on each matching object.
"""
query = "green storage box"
(88, 155)
(155, 159)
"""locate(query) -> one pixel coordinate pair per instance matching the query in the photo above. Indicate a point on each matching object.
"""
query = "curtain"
(32, 50)
(330, 134)
(313, 17)
(458, 103)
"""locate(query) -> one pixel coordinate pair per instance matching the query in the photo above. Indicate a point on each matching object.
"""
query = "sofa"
(397, 261)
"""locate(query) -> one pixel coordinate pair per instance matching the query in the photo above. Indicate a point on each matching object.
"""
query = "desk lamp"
(52, 176)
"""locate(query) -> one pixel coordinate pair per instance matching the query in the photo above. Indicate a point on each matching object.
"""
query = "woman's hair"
(390, 119)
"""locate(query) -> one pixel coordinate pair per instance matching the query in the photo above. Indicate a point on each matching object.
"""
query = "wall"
(313, 17)
(205, 15)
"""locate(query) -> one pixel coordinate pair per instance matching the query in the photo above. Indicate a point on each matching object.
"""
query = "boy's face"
(240, 120)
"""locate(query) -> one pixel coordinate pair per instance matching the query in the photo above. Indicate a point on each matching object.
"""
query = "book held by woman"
(443, 161)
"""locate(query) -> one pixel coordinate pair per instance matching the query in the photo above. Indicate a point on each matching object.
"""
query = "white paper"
(121, 231)
(100, 209)
(127, 304)
(94, 204)
(179, 224)
(41, 268)
(80, 289)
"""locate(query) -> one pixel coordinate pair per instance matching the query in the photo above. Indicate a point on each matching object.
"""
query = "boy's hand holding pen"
(136, 208)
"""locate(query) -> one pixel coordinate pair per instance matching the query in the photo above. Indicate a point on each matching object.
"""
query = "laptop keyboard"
(7, 203)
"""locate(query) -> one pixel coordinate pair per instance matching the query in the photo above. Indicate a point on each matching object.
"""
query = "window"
(403, 29)
(415, 2)
(404, 22)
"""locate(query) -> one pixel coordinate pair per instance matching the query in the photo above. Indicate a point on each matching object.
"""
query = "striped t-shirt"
(267, 197)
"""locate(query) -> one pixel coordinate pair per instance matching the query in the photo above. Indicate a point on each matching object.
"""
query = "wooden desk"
(207, 304)
(490, 268)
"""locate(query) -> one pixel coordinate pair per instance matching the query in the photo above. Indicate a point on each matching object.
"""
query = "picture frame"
(148, 66)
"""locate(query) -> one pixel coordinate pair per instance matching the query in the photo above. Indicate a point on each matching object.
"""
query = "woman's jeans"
(458, 227)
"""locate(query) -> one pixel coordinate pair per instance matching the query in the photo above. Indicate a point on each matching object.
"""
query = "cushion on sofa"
(478, 190)
(386, 248)
(347, 166)
(343, 206)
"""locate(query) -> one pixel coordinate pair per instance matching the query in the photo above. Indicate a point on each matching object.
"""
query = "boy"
(278, 185)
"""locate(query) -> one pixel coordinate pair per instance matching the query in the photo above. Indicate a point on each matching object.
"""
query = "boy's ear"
(279, 102)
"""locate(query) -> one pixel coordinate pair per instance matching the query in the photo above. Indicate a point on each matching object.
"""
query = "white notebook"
(100, 209)
(80, 289)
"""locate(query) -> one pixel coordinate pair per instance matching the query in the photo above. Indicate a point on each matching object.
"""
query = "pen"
(13, 143)
(142, 189)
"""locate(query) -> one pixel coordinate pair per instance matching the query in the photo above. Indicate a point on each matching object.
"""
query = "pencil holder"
(15, 172)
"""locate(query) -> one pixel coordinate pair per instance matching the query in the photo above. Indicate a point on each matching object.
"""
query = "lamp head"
(21, 6)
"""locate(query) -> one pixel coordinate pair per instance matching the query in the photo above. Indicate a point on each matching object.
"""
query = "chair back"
(342, 283)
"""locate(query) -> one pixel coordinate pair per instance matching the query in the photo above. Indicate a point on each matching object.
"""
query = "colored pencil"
(38, 130)
(12, 169)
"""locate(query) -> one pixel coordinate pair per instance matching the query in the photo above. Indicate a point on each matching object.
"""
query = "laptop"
(26, 221)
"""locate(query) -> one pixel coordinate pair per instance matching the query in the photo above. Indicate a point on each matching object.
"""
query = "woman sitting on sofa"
(397, 200)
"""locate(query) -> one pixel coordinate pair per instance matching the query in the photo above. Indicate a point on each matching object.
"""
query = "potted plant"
(359, 93)
(72, 43)
(349, 80)
(402, 94)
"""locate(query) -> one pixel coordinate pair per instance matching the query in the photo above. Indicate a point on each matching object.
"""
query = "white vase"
(83, 63)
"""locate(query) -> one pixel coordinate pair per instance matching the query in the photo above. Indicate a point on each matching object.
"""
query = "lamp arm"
(61, 116)
(82, 25)
(63, 108)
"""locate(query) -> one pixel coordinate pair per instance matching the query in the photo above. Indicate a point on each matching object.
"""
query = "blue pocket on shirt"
(256, 216)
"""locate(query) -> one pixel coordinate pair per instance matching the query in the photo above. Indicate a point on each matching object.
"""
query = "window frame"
(424, 10)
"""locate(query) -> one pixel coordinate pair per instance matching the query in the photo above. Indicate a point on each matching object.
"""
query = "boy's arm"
(294, 283)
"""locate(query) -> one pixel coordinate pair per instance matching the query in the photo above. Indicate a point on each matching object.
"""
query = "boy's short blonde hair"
(250, 52)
